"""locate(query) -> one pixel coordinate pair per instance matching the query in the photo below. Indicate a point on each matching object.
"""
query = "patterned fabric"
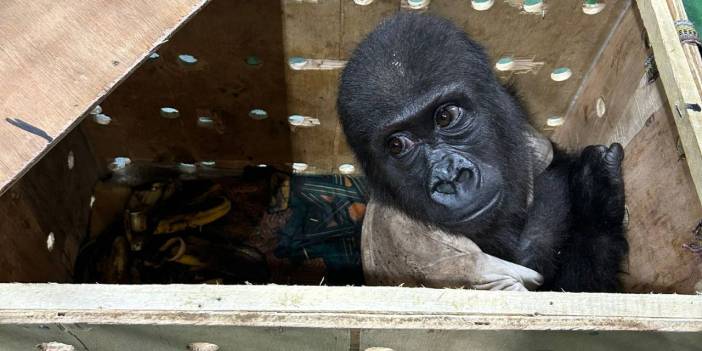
(326, 223)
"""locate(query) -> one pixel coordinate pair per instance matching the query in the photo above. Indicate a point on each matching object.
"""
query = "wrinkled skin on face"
(434, 130)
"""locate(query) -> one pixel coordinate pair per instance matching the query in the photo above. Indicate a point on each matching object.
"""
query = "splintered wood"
(59, 58)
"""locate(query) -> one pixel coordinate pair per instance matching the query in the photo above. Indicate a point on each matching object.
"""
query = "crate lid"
(58, 59)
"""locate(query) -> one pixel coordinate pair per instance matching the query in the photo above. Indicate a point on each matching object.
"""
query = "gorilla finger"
(593, 152)
(618, 150)
(614, 155)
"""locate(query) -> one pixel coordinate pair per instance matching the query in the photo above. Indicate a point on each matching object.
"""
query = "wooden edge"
(694, 58)
(345, 307)
(6, 184)
(678, 82)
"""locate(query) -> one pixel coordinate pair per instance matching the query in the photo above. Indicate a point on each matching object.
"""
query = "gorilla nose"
(453, 175)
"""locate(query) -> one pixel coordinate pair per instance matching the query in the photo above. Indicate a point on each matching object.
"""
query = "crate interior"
(223, 98)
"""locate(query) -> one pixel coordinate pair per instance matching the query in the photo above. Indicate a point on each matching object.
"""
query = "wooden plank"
(59, 59)
(447, 340)
(169, 338)
(50, 199)
(678, 82)
(240, 67)
(618, 79)
(663, 211)
(345, 307)
(172, 337)
(692, 53)
(313, 31)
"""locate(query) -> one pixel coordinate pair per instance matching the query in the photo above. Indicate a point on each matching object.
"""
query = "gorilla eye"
(447, 114)
(398, 144)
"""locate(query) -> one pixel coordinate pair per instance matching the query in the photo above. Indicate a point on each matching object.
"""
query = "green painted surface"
(694, 12)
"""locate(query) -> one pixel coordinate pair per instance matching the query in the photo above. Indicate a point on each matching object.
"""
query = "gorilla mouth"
(494, 202)
(444, 187)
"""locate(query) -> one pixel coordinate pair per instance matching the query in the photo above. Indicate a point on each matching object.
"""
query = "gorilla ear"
(541, 150)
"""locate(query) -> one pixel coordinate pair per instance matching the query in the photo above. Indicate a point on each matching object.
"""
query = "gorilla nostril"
(464, 175)
(445, 188)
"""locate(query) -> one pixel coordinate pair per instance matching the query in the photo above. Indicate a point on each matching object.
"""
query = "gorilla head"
(434, 131)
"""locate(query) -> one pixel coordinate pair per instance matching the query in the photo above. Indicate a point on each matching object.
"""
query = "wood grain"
(314, 31)
(616, 77)
(563, 37)
(58, 59)
(50, 198)
(345, 307)
(176, 337)
(678, 82)
(221, 85)
(663, 211)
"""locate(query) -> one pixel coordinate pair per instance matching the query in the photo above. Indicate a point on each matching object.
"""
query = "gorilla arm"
(399, 250)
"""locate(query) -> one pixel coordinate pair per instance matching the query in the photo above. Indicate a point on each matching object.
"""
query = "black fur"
(469, 176)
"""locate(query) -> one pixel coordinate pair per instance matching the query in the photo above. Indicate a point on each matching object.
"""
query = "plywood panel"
(562, 37)
(50, 198)
(240, 66)
(616, 78)
(663, 211)
(313, 31)
(59, 58)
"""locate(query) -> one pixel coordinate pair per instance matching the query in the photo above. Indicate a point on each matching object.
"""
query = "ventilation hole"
(417, 4)
(346, 168)
(96, 110)
(188, 168)
(202, 346)
(504, 64)
(253, 60)
(482, 5)
(296, 120)
(54, 346)
(555, 121)
(169, 112)
(102, 119)
(297, 62)
(205, 122)
(593, 7)
(299, 166)
(119, 163)
(187, 59)
(533, 6)
(154, 56)
(601, 107)
(50, 240)
(561, 74)
(363, 2)
(71, 160)
(258, 114)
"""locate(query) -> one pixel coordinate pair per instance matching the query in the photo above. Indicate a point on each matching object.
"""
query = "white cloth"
(399, 250)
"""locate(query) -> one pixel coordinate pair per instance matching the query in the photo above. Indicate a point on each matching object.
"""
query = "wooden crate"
(58, 61)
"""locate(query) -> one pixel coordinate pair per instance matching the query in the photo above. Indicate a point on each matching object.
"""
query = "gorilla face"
(436, 134)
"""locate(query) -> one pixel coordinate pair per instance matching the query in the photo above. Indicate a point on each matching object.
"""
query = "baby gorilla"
(440, 139)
